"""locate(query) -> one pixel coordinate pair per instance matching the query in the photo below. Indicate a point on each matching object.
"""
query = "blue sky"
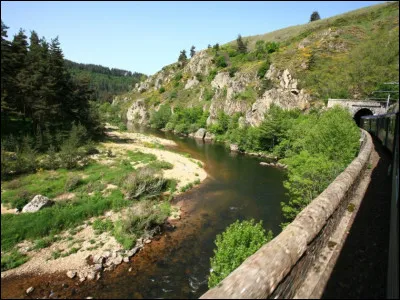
(145, 36)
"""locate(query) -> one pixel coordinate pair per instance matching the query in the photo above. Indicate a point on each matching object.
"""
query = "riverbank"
(85, 250)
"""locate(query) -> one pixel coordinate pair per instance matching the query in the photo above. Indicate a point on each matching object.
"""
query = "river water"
(237, 187)
(176, 264)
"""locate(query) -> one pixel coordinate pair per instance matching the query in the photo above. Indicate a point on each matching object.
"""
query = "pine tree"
(314, 16)
(242, 48)
(192, 51)
(182, 58)
(7, 104)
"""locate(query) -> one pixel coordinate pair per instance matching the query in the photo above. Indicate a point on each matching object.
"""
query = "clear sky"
(145, 36)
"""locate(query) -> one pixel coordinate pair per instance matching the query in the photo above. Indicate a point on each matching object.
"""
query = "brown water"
(177, 264)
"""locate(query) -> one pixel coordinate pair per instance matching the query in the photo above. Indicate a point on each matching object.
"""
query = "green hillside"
(346, 56)
(105, 82)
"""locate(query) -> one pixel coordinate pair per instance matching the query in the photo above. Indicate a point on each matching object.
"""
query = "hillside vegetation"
(105, 82)
(266, 93)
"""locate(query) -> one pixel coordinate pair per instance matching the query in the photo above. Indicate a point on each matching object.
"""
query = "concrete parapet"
(277, 269)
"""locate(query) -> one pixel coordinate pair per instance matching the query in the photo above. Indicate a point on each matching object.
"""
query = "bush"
(12, 260)
(161, 90)
(212, 75)
(234, 245)
(263, 69)
(160, 118)
(145, 182)
(220, 61)
(72, 182)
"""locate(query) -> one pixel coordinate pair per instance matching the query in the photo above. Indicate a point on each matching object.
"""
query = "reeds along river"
(177, 263)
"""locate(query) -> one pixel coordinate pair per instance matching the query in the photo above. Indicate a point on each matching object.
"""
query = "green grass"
(53, 220)
(159, 164)
(138, 156)
(12, 260)
(102, 225)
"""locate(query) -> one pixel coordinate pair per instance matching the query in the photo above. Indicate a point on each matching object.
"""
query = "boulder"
(71, 274)
(200, 134)
(38, 202)
(234, 147)
(209, 137)
(30, 290)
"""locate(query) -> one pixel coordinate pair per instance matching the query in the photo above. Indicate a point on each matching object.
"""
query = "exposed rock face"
(209, 137)
(137, 112)
(200, 134)
(286, 96)
(234, 147)
(233, 86)
(38, 202)
(191, 83)
(199, 63)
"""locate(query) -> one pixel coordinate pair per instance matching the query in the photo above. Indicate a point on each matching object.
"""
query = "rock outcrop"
(138, 113)
(200, 134)
(286, 96)
(38, 202)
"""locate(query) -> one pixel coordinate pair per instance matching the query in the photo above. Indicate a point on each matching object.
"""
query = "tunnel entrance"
(362, 112)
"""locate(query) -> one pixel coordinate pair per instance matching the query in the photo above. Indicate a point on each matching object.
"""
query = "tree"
(192, 51)
(216, 47)
(209, 46)
(182, 58)
(234, 245)
(315, 16)
(242, 48)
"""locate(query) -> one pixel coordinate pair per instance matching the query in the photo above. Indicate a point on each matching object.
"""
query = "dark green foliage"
(263, 69)
(183, 120)
(38, 92)
(182, 59)
(314, 16)
(220, 61)
(212, 75)
(105, 82)
(232, 71)
(266, 84)
(216, 47)
(161, 117)
(241, 46)
(192, 51)
(161, 90)
(221, 126)
(234, 245)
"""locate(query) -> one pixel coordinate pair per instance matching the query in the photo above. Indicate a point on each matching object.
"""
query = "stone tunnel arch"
(362, 112)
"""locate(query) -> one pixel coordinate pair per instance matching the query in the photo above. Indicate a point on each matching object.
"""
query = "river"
(176, 264)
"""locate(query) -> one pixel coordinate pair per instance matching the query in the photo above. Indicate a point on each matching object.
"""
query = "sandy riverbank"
(185, 170)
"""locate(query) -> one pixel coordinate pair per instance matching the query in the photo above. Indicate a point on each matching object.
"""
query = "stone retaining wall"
(277, 269)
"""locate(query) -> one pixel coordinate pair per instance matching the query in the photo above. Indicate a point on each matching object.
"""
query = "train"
(383, 127)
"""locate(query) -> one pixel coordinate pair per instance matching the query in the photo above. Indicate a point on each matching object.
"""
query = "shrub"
(145, 182)
(102, 225)
(161, 90)
(72, 182)
(12, 260)
(234, 245)
(220, 61)
(212, 75)
(158, 165)
(263, 69)
(160, 118)
(232, 71)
